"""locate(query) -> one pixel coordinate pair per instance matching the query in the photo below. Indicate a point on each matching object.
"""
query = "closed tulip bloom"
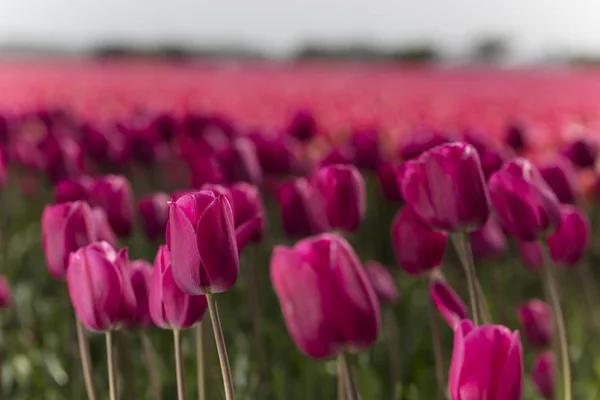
(417, 249)
(531, 254)
(69, 190)
(217, 189)
(535, 316)
(571, 240)
(383, 282)
(240, 162)
(448, 303)
(139, 274)
(95, 286)
(5, 293)
(542, 374)
(302, 211)
(516, 137)
(65, 228)
(326, 299)
(171, 308)
(581, 152)
(277, 155)
(525, 205)
(153, 211)
(113, 193)
(560, 176)
(487, 363)
(343, 155)
(247, 204)
(386, 175)
(202, 242)
(367, 151)
(342, 188)
(302, 126)
(420, 142)
(489, 242)
(446, 189)
(102, 228)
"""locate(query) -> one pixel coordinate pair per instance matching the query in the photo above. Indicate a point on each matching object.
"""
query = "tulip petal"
(458, 357)
(510, 383)
(185, 259)
(245, 232)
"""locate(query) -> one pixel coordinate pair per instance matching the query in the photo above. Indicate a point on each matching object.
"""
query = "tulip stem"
(341, 381)
(554, 298)
(112, 370)
(127, 372)
(349, 382)
(221, 349)
(393, 347)
(179, 364)
(200, 361)
(463, 248)
(150, 360)
(86, 365)
(588, 283)
(253, 296)
(438, 350)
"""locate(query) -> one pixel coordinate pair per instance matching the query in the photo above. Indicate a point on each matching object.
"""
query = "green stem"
(126, 367)
(221, 348)
(463, 247)
(112, 371)
(341, 381)
(86, 364)
(200, 361)
(350, 384)
(179, 364)
(590, 294)
(438, 351)
(253, 298)
(393, 346)
(150, 360)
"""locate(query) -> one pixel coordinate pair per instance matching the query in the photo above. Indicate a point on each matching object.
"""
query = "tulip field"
(298, 231)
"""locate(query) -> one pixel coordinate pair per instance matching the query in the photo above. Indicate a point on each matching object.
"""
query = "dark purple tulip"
(489, 242)
(302, 126)
(531, 254)
(114, 195)
(326, 299)
(383, 282)
(247, 204)
(516, 137)
(153, 211)
(240, 162)
(102, 228)
(5, 293)
(526, 206)
(169, 307)
(65, 228)
(367, 153)
(342, 189)
(202, 241)
(420, 142)
(386, 174)
(302, 210)
(569, 243)
(581, 152)
(418, 250)
(543, 372)
(535, 317)
(447, 302)
(560, 176)
(139, 275)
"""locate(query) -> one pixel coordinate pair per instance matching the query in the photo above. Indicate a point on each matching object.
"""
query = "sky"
(278, 27)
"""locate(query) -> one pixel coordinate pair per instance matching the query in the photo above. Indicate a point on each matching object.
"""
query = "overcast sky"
(279, 26)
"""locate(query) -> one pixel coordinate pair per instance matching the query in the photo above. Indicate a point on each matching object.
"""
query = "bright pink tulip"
(342, 189)
(302, 210)
(383, 282)
(562, 179)
(542, 374)
(446, 189)
(202, 242)
(535, 316)
(139, 274)
(96, 286)
(448, 303)
(65, 228)
(417, 249)
(526, 206)
(326, 299)
(489, 242)
(153, 211)
(102, 228)
(247, 204)
(571, 240)
(113, 193)
(5, 293)
(170, 308)
(487, 363)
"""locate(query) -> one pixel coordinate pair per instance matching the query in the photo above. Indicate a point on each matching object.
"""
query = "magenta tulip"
(65, 228)
(489, 242)
(326, 299)
(343, 155)
(277, 155)
(582, 152)
(383, 282)
(102, 228)
(535, 316)
(531, 254)
(69, 190)
(302, 126)
(240, 162)
(153, 212)
(448, 303)
(561, 177)
(202, 242)
(386, 175)
(170, 308)
(417, 249)
(5, 293)
(543, 372)
(139, 274)
(487, 363)
(516, 137)
(247, 204)
(113, 193)
(367, 151)
(571, 240)
(215, 187)
(526, 206)
(446, 189)
(302, 210)
(420, 142)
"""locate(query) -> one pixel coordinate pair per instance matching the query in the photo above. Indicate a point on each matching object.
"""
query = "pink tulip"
(367, 151)
(382, 282)
(102, 228)
(386, 175)
(114, 195)
(420, 142)
(247, 204)
(570, 242)
(139, 275)
(302, 126)
(542, 374)
(560, 175)
(582, 152)
(489, 242)
(516, 137)
(240, 162)
(153, 212)
(69, 190)
(531, 254)
(302, 210)
(535, 317)
(448, 303)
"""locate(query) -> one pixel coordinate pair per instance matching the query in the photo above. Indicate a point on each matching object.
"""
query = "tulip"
(65, 228)
(516, 137)
(139, 275)
(302, 126)
(205, 168)
(114, 195)
(343, 155)
(342, 188)
(247, 205)
(202, 242)
(535, 317)
(382, 282)
(581, 152)
(5, 293)
(445, 188)
(153, 211)
(524, 204)
(102, 228)
(569, 243)
(69, 190)
(302, 210)
(386, 175)
(367, 151)
(542, 374)
(531, 254)
(277, 155)
(240, 162)
(215, 187)
(420, 142)
(417, 249)
(487, 363)
(448, 303)
(560, 176)
(327, 302)
(489, 242)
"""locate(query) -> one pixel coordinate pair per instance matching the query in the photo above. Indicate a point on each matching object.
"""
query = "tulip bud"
(69, 190)
(5, 293)
(571, 240)
(302, 211)
(542, 374)
(114, 195)
(102, 229)
(342, 188)
(560, 177)
(277, 155)
(535, 317)
(65, 228)
(247, 204)
(524, 204)
(326, 299)
(445, 188)
(489, 242)
(217, 189)
(367, 153)
(581, 152)
(447, 302)
(516, 137)
(382, 282)
(420, 142)
(139, 275)
(302, 126)
(154, 214)
(386, 174)
(487, 363)
(240, 162)
(531, 254)
(170, 308)
(95, 286)
(417, 249)
(340, 155)
(202, 242)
